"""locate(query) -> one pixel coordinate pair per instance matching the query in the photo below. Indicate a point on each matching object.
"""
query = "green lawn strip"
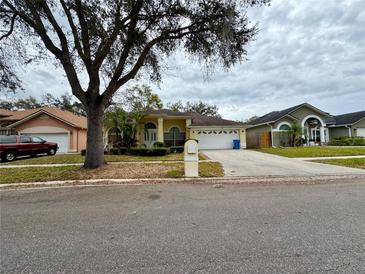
(132, 170)
(350, 162)
(295, 152)
(77, 158)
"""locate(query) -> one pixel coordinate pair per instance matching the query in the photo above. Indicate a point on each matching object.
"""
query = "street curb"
(263, 180)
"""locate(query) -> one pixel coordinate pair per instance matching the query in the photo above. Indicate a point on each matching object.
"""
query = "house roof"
(68, 117)
(203, 120)
(349, 118)
(276, 115)
(196, 118)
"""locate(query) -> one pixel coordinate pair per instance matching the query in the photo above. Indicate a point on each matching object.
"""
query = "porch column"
(321, 129)
(160, 130)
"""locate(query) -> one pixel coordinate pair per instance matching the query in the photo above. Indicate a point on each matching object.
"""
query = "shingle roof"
(68, 117)
(196, 118)
(202, 120)
(349, 118)
(273, 116)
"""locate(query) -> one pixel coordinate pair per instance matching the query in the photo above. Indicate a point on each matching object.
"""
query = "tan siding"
(304, 111)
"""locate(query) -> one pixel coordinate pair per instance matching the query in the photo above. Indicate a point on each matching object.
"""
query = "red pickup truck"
(12, 146)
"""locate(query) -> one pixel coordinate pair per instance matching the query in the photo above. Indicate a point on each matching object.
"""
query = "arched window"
(174, 137)
(114, 135)
(284, 127)
(150, 126)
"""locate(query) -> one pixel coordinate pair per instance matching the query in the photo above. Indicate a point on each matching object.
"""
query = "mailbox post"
(191, 158)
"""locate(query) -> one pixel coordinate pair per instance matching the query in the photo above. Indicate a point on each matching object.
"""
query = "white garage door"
(360, 132)
(60, 138)
(217, 139)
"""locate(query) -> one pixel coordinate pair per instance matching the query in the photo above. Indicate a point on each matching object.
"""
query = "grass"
(77, 158)
(295, 152)
(350, 162)
(123, 171)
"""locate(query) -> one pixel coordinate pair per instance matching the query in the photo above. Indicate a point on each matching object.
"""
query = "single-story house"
(318, 126)
(348, 125)
(173, 127)
(52, 124)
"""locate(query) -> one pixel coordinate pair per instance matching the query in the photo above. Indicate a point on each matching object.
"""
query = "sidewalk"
(330, 157)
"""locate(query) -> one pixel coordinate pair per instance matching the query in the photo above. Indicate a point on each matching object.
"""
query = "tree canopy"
(115, 41)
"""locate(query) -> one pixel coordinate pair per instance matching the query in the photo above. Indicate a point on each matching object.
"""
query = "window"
(150, 126)
(25, 140)
(7, 139)
(37, 140)
(174, 137)
(284, 127)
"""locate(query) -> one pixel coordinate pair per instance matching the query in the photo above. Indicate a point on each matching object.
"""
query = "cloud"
(309, 50)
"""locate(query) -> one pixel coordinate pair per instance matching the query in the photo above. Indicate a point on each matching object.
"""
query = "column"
(323, 140)
(243, 138)
(160, 130)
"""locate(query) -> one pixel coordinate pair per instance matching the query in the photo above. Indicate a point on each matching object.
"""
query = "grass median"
(350, 162)
(77, 158)
(123, 171)
(298, 152)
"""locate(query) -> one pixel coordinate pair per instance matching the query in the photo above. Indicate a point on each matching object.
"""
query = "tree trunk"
(95, 145)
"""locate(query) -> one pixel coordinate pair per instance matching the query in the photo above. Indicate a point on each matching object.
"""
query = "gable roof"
(203, 120)
(273, 116)
(196, 118)
(349, 118)
(65, 116)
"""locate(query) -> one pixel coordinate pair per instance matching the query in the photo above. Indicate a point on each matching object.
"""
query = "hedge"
(347, 141)
(156, 151)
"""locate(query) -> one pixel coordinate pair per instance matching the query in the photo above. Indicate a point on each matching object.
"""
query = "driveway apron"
(252, 163)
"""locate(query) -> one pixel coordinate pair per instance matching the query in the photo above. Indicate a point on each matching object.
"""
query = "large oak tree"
(114, 41)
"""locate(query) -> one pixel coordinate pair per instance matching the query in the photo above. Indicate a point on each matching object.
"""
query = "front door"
(150, 137)
(316, 135)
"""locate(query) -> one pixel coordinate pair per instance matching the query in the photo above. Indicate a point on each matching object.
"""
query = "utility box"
(191, 158)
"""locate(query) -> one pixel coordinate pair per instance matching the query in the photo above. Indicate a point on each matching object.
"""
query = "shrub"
(177, 149)
(149, 151)
(347, 141)
(158, 144)
(122, 150)
(83, 152)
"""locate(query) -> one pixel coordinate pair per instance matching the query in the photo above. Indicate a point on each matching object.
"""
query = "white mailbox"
(191, 158)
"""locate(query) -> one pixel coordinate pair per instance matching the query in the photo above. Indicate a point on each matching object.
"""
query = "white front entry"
(150, 137)
(360, 132)
(61, 139)
(217, 139)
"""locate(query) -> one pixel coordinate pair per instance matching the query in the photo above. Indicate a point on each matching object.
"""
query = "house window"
(114, 135)
(284, 127)
(174, 137)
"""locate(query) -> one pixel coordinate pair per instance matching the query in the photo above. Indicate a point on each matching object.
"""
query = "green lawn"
(350, 162)
(122, 171)
(295, 152)
(77, 158)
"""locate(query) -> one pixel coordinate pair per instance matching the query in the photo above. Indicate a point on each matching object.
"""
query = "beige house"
(173, 127)
(318, 127)
(49, 123)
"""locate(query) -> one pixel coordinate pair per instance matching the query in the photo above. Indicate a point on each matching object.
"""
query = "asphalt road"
(185, 229)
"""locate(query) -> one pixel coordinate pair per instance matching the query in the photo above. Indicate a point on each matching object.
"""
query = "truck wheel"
(9, 156)
(51, 151)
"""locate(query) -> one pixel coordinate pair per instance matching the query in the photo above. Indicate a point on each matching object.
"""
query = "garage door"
(217, 139)
(360, 132)
(60, 138)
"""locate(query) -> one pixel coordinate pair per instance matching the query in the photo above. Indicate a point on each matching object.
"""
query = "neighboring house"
(173, 127)
(51, 124)
(348, 125)
(271, 130)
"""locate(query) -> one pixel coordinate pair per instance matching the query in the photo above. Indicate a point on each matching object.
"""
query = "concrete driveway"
(252, 163)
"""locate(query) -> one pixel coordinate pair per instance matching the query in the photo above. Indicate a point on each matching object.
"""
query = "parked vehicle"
(12, 146)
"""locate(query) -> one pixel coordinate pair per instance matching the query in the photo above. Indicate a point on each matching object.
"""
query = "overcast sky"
(306, 51)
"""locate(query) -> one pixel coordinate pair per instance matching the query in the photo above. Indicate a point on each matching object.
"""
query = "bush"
(149, 151)
(347, 141)
(83, 152)
(158, 144)
(177, 149)
(122, 150)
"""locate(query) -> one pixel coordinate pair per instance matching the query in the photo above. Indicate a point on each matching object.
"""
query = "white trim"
(172, 127)
(323, 124)
(281, 124)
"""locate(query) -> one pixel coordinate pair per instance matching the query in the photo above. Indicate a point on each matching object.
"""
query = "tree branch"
(11, 27)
